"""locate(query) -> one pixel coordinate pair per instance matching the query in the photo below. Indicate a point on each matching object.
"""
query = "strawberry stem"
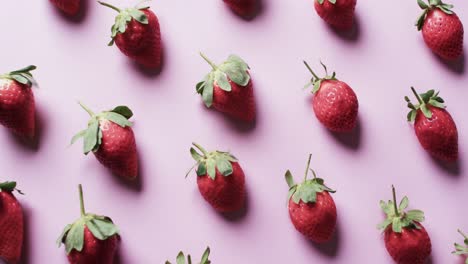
(90, 112)
(110, 6)
(209, 61)
(307, 168)
(395, 202)
(82, 207)
(417, 95)
(205, 153)
(311, 71)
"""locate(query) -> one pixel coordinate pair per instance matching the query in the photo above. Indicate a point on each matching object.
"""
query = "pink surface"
(167, 214)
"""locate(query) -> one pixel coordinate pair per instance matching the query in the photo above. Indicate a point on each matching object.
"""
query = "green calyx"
(182, 260)
(22, 76)
(124, 17)
(234, 69)
(398, 217)
(92, 136)
(208, 162)
(308, 189)
(316, 81)
(9, 186)
(322, 1)
(462, 249)
(101, 227)
(424, 100)
(432, 4)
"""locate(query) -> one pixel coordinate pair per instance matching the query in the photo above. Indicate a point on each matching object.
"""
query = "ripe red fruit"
(110, 137)
(69, 7)
(441, 28)
(434, 127)
(181, 258)
(337, 13)
(228, 88)
(90, 239)
(335, 103)
(136, 33)
(311, 208)
(244, 8)
(462, 250)
(17, 110)
(406, 240)
(11, 224)
(220, 180)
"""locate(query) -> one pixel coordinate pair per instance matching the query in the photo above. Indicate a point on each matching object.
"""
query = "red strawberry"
(406, 240)
(244, 8)
(110, 137)
(137, 35)
(311, 208)
(441, 28)
(337, 13)
(181, 258)
(17, 110)
(11, 224)
(69, 7)
(91, 239)
(462, 250)
(335, 103)
(220, 180)
(435, 128)
(228, 88)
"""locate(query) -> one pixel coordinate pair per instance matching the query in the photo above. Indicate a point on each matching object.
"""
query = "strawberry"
(228, 88)
(311, 208)
(460, 249)
(136, 33)
(90, 239)
(17, 110)
(11, 224)
(337, 13)
(435, 128)
(244, 8)
(69, 7)
(441, 28)
(335, 103)
(406, 240)
(220, 180)
(181, 258)
(110, 137)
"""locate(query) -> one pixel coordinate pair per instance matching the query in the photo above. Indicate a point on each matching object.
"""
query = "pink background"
(381, 61)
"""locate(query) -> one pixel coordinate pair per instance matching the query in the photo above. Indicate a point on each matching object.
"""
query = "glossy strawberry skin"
(336, 106)
(69, 7)
(238, 103)
(11, 228)
(118, 150)
(411, 246)
(443, 34)
(244, 8)
(94, 250)
(438, 135)
(142, 42)
(339, 15)
(225, 193)
(17, 108)
(316, 221)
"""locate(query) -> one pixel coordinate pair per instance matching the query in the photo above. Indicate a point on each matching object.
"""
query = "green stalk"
(417, 95)
(395, 202)
(209, 61)
(82, 207)
(311, 71)
(205, 153)
(110, 6)
(90, 112)
(307, 168)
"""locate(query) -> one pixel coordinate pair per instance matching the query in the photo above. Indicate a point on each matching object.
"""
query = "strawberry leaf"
(206, 255)
(78, 136)
(208, 162)
(102, 227)
(75, 237)
(201, 170)
(117, 118)
(224, 166)
(123, 110)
